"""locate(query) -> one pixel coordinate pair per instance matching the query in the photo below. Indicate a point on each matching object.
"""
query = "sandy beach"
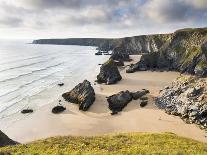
(98, 120)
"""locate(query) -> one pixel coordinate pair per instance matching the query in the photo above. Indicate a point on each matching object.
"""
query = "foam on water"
(28, 69)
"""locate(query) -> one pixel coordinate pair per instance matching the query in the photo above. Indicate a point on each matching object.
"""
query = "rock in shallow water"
(26, 111)
(83, 94)
(109, 73)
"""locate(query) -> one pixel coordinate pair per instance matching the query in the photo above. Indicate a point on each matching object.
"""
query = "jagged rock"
(5, 140)
(118, 101)
(139, 94)
(26, 111)
(109, 73)
(143, 103)
(144, 98)
(60, 84)
(186, 98)
(58, 109)
(83, 94)
(120, 54)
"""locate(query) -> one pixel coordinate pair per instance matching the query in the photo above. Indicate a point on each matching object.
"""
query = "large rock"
(119, 53)
(83, 94)
(109, 73)
(138, 94)
(118, 101)
(5, 140)
(187, 98)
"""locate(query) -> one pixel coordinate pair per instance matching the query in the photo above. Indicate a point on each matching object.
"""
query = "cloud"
(101, 17)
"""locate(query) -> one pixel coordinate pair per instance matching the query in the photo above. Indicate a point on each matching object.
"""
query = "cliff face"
(184, 50)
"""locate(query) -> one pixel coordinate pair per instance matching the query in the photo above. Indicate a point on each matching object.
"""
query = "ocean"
(27, 70)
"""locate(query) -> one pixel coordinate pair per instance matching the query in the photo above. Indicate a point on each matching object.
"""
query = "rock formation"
(58, 109)
(118, 101)
(109, 73)
(5, 140)
(187, 98)
(83, 94)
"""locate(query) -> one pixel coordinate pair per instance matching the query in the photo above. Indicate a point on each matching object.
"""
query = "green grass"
(120, 144)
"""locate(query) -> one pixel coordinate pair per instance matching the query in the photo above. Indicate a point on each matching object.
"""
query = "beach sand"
(98, 120)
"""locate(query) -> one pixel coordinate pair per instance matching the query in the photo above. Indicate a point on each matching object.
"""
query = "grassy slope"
(133, 143)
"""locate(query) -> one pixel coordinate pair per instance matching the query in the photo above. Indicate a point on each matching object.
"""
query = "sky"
(33, 19)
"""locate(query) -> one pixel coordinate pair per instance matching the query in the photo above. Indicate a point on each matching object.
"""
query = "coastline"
(97, 120)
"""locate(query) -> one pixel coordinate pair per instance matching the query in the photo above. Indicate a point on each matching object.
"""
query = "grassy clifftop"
(134, 143)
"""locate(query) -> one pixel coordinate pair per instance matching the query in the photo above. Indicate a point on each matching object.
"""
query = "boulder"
(118, 101)
(109, 73)
(139, 94)
(26, 111)
(58, 109)
(83, 94)
(60, 84)
(143, 103)
(5, 140)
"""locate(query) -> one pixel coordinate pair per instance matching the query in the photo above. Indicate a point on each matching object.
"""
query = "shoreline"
(98, 121)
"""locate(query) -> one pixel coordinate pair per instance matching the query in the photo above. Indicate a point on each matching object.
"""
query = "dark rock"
(98, 53)
(109, 73)
(118, 101)
(58, 109)
(119, 53)
(143, 103)
(60, 84)
(26, 111)
(83, 94)
(139, 94)
(5, 140)
(114, 112)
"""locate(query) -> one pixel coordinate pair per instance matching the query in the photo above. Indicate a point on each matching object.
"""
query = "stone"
(60, 84)
(109, 73)
(118, 101)
(26, 111)
(83, 94)
(58, 109)
(143, 103)
(139, 94)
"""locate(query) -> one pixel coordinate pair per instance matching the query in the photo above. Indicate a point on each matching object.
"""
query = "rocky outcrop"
(5, 140)
(184, 51)
(187, 98)
(118, 101)
(83, 94)
(109, 73)
(120, 54)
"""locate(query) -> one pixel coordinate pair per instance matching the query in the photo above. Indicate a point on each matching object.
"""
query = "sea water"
(29, 69)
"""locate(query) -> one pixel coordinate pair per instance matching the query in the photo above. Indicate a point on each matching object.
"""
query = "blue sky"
(97, 18)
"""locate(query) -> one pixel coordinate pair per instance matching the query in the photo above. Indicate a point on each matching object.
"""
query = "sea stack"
(83, 94)
(109, 73)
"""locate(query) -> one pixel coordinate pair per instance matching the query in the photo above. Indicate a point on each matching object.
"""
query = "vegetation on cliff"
(133, 143)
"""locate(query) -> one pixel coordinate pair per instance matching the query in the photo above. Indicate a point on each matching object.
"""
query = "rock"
(114, 113)
(118, 101)
(109, 73)
(58, 109)
(185, 98)
(143, 103)
(98, 53)
(5, 140)
(139, 94)
(26, 111)
(83, 94)
(144, 98)
(60, 84)
(120, 54)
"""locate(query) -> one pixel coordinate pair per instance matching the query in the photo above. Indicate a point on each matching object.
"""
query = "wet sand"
(97, 121)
